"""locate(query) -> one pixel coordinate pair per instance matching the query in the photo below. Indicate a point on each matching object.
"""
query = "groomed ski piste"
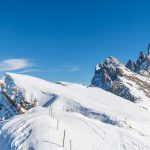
(71, 116)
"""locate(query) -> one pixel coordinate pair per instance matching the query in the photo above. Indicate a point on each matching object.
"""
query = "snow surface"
(92, 119)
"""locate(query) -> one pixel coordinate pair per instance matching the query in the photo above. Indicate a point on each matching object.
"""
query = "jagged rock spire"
(131, 65)
(141, 56)
(140, 60)
(148, 50)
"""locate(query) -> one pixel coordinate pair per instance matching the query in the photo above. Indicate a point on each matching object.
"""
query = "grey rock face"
(113, 76)
(131, 65)
(142, 65)
(107, 76)
(105, 73)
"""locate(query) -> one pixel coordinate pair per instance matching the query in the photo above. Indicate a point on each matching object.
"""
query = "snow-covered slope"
(91, 118)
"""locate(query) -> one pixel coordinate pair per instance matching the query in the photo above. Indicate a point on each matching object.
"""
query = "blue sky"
(64, 39)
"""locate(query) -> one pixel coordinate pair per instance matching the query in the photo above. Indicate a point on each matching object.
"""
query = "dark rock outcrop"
(131, 65)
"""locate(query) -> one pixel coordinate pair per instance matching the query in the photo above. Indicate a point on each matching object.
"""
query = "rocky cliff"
(130, 81)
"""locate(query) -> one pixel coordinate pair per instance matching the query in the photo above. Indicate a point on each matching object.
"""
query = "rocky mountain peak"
(131, 65)
(127, 80)
(148, 50)
(141, 57)
(142, 65)
(106, 72)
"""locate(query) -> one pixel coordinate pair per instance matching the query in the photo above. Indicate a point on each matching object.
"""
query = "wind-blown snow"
(92, 118)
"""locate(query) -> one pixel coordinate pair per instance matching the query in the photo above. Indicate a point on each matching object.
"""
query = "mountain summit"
(142, 65)
(130, 81)
(40, 115)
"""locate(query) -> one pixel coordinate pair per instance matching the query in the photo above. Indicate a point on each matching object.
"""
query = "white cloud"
(14, 64)
(22, 66)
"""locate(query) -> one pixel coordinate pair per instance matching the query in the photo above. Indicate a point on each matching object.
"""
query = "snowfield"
(71, 116)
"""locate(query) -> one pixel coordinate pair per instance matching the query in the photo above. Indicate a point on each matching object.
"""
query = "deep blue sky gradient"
(73, 33)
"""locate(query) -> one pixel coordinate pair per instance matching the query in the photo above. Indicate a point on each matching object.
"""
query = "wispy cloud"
(14, 64)
(28, 71)
(64, 68)
(71, 68)
(22, 65)
(52, 70)
(38, 70)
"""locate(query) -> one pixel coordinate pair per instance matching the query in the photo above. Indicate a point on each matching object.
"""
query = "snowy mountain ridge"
(69, 116)
(39, 115)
